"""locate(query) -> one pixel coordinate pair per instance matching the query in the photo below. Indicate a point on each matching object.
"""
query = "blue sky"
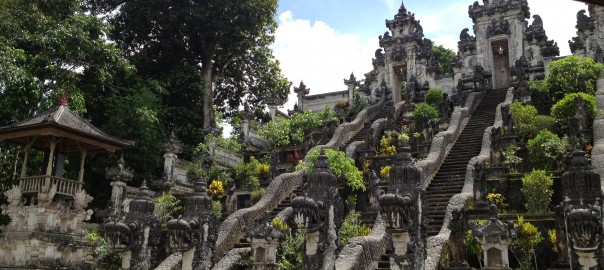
(322, 41)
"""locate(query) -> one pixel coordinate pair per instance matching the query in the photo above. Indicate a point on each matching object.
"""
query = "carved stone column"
(138, 236)
(319, 214)
(195, 233)
(402, 210)
(119, 176)
(351, 83)
(583, 213)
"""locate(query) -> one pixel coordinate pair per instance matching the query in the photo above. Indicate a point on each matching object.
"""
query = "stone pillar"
(171, 148)
(351, 83)
(119, 175)
(272, 111)
(583, 213)
(301, 92)
(195, 232)
(138, 236)
(319, 215)
(597, 153)
(401, 208)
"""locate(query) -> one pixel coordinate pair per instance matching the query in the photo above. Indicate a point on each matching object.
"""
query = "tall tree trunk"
(208, 100)
(208, 84)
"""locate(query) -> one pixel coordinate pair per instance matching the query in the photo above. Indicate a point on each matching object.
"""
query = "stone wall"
(597, 153)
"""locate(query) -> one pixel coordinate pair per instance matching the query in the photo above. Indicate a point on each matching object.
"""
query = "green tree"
(537, 188)
(444, 57)
(49, 47)
(573, 74)
(226, 41)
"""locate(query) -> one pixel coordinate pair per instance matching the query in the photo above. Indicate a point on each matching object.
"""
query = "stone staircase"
(449, 179)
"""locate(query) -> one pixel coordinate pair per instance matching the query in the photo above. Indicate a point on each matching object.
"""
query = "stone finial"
(63, 99)
(173, 145)
(351, 81)
(119, 172)
(301, 90)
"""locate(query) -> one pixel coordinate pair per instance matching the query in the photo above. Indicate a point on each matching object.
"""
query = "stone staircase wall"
(365, 250)
(436, 243)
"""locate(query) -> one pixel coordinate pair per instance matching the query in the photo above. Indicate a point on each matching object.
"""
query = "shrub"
(385, 172)
(217, 209)
(539, 90)
(257, 195)
(300, 123)
(279, 224)
(547, 149)
(424, 109)
(289, 256)
(277, 132)
(352, 227)
(248, 173)
(527, 123)
(338, 164)
(227, 143)
(565, 108)
(537, 188)
(572, 73)
(510, 160)
(499, 200)
(387, 147)
(528, 237)
(434, 96)
(165, 206)
(216, 189)
(328, 114)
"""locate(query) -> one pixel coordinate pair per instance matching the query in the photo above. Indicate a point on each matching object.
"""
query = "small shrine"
(46, 208)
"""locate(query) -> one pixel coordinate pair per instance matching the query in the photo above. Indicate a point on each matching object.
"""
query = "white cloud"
(319, 55)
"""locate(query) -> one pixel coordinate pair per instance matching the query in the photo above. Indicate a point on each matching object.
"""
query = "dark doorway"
(501, 64)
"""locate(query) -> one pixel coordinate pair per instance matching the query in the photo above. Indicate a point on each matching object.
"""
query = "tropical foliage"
(537, 188)
(339, 165)
(572, 74)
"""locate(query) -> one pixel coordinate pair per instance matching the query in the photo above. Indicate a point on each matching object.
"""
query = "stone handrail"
(362, 252)
(34, 184)
(353, 148)
(234, 255)
(173, 262)
(232, 229)
(458, 201)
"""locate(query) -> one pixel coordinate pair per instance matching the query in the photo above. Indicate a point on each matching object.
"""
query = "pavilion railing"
(34, 184)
